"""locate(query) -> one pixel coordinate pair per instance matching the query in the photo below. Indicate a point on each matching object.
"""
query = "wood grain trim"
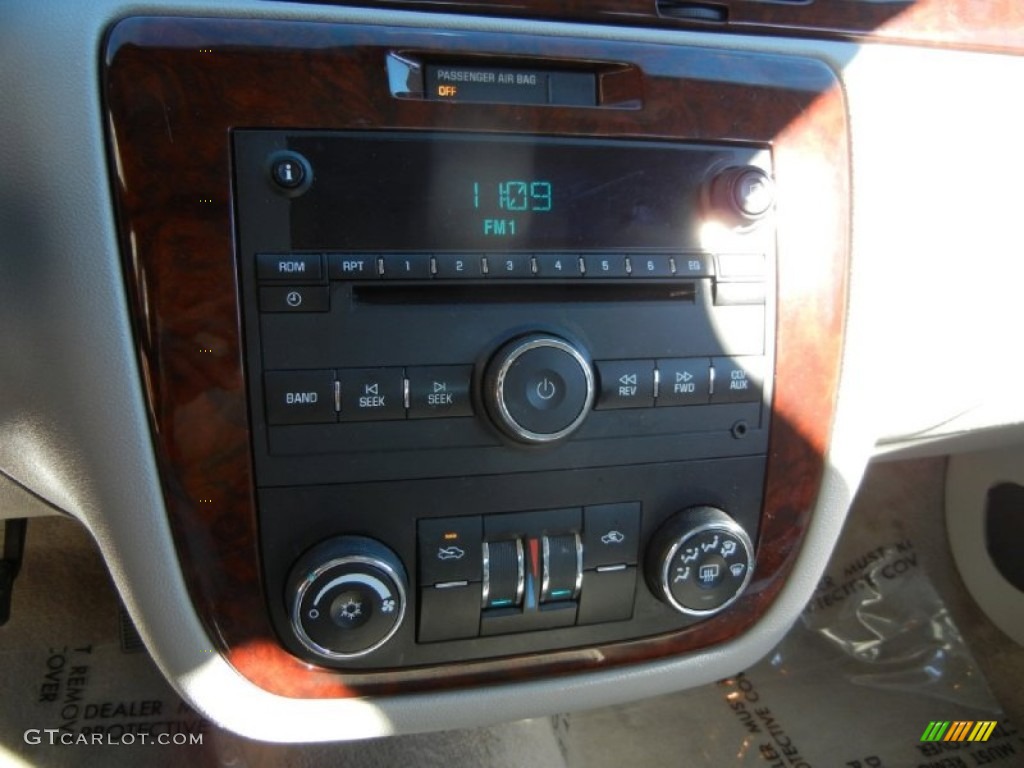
(174, 90)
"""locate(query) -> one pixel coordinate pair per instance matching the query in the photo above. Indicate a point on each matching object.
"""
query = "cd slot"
(522, 292)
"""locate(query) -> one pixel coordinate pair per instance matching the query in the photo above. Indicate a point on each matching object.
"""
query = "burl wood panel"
(174, 90)
(996, 25)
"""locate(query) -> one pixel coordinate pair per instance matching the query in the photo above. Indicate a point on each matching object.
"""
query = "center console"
(505, 397)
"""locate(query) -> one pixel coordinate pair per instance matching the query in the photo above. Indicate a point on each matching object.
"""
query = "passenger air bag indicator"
(500, 85)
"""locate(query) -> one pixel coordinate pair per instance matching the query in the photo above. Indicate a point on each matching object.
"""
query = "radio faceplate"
(426, 313)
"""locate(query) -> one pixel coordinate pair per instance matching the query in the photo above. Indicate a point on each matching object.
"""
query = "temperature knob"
(700, 561)
(347, 597)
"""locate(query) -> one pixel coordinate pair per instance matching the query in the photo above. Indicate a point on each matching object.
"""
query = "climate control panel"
(470, 578)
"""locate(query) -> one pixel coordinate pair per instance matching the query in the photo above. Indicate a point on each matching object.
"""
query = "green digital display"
(514, 195)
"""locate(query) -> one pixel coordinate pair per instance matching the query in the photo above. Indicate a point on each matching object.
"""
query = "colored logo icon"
(959, 730)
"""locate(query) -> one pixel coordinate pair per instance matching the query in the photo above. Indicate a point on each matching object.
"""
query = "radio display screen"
(437, 191)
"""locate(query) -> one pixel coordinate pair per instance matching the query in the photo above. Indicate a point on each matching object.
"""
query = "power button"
(539, 388)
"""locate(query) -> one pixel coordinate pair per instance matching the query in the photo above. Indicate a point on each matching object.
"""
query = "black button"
(440, 391)
(737, 379)
(450, 550)
(611, 534)
(289, 170)
(655, 265)
(607, 596)
(352, 266)
(449, 612)
(684, 381)
(299, 397)
(545, 390)
(558, 265)
(625, 384)
(370, 394)
(292, 267)
(296, 298)
(693, 265)
(452, 266)
(509, 265)
(406, 266)
(561, 563)
(708, 570)
(605, 265)
(504, 573)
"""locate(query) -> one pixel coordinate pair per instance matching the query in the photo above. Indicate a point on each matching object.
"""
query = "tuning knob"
(700, 561)
(347, 597)
(539, 388)
(745, 194)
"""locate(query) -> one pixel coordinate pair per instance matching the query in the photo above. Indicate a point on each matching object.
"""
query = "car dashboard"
(422, 366)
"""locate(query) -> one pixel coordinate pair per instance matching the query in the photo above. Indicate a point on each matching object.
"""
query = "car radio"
(508, 393)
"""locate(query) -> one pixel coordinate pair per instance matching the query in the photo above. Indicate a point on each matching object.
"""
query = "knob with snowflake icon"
(347, 597)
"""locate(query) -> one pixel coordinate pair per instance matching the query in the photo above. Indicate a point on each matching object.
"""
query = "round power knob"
(700, 561)
(539, 388)
(744, 194)
(347, 597)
